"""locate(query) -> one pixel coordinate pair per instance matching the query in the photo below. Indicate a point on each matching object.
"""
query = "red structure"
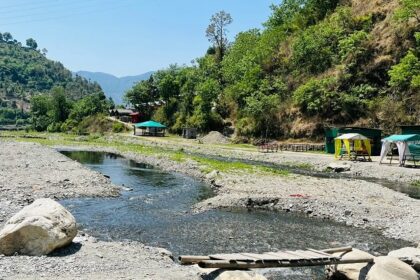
(135, 117)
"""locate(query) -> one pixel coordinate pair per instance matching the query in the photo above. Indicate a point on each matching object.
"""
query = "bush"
(118, 127)
(317, 97)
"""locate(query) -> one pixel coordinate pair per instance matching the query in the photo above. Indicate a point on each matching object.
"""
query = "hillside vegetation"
(25, 72)
(315, 63)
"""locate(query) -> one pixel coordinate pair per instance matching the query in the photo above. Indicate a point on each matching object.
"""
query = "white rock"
(212, 175)
(38, 229)
(354, 271)
(408, 255)
(391, 268)
(239, 275)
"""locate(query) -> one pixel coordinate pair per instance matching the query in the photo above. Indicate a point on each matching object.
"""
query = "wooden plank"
(307, 255)
(238, 257)
(192, 259)
(318, 255)
(297, 253)
(338, 250)
(285, 255)
(244, 265)
(322, 253)
(312, 255)
(254, 256)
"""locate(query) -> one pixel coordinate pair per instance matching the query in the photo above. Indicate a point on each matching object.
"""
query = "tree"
(7, 36)
(409, 9)
(40, 106)
(59, 105)
(31, 43)
(217, 33)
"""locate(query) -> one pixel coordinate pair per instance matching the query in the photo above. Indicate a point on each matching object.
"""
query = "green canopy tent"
(149, 128)
(408, 147)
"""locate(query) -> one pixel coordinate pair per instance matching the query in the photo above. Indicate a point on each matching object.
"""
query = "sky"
(124, 37)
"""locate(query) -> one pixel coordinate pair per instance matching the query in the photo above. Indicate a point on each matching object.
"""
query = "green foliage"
(352, 46)
(25, 73)
(56, 113)
(317, 97)
(31, 43)
(409, 9)
(118, 127)
(406, 74)
(315, 61)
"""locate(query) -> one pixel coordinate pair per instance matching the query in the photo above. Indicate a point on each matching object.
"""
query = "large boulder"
(354, 271)
(391, 268)
(239, 275)
(408, 255)
(38, 229)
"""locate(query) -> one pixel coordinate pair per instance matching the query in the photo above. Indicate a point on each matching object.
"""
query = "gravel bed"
(29, 171)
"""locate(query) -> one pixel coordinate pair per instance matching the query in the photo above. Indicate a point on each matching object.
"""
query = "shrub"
(118, 127)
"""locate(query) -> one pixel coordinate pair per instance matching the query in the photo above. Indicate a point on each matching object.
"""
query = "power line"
(100, 9)
(49, 12)
(47, 4)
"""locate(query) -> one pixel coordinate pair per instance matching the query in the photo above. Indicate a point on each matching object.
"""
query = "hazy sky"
(124, 37)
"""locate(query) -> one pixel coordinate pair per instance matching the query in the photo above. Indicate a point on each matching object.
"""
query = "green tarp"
(403, 138)
(150, 124)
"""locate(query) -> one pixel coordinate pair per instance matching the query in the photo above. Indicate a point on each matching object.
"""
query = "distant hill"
(25, 71)
(113, 86)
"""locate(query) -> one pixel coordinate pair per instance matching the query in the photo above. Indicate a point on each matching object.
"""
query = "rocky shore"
(30, 171)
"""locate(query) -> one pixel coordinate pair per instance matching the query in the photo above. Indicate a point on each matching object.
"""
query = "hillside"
(314, 64)
(25, 72)
(113, 86)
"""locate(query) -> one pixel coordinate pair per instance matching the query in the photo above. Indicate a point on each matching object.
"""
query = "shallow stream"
(155, 209)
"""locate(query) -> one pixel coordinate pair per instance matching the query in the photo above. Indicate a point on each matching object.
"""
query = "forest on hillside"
(315, 63)
(26, 74)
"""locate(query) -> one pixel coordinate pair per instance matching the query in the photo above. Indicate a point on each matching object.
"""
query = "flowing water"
(156, 211)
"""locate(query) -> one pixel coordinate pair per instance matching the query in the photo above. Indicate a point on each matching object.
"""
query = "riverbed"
(155, 209)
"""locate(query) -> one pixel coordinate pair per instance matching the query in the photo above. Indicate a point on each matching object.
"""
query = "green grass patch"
(303, 165)
(96, 140)
(415, 183)
(223, 166)
(178, 157)
(274, 171)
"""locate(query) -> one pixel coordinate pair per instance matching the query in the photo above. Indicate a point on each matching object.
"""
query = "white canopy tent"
(402, 142)
(352, 136)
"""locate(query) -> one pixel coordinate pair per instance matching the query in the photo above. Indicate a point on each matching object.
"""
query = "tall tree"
(31, 43)
(217, 32)
(7, 36)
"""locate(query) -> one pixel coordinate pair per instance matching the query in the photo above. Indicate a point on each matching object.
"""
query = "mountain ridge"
(114, 86)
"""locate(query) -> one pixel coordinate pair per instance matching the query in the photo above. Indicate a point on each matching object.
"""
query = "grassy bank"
(118, 143)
